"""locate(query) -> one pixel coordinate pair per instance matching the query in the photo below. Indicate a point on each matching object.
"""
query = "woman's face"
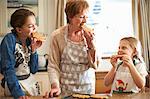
(29, 27)
(79, 19)
(125, 48)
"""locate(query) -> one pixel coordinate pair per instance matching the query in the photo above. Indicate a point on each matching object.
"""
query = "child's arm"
(34, 62)
(139, 80)
(111, 74)
(109, 77)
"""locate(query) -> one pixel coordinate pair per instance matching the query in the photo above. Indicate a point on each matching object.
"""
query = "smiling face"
(79, 19)
(23, 23)
(125, 48)
(75, 8)
(29, 27)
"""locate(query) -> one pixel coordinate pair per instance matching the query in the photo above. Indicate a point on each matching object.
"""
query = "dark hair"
(18, 18)
(74, 7)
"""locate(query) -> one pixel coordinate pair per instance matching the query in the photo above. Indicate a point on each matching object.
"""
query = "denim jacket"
(7, 63)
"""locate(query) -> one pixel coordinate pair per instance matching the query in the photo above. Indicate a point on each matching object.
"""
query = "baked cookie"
(98, 96)
(81, 96)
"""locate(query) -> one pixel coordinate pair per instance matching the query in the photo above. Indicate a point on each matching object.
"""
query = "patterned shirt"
(8, 63)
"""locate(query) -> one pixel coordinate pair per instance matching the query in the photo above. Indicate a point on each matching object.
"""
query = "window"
(111, 20)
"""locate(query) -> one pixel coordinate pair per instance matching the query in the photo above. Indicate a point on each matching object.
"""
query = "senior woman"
(72, 54)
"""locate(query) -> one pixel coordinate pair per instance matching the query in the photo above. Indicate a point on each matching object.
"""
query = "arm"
(89, 38)
(109, 78)
(92, 56)
(138, 78)
(34, 62)
(35, 44)
(53, 66)
(8, 63)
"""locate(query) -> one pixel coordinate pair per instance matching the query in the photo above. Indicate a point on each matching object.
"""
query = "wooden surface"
(141, 95)
(100, 87)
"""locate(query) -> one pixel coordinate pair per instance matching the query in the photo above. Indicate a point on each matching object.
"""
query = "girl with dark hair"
(19, 58)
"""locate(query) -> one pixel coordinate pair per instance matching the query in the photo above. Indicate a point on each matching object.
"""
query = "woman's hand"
(55, 91)
(23, 97)
(35, 44)
(89, 36)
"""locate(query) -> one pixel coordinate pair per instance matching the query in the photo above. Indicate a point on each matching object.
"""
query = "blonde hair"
(74, 7)
(135, 44)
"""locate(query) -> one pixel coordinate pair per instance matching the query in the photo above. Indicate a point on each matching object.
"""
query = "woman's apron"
(76, 76)
(26, 80)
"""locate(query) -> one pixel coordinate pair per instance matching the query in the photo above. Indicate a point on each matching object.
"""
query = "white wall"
(104, 65)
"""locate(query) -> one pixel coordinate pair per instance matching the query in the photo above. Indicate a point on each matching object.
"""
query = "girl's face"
(125, 48)
(79, 19)
(29, 27)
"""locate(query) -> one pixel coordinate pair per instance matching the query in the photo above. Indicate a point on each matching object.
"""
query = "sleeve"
(8, 63)
(92, 55)
(34, 63)
(141, 67)
(54, 61)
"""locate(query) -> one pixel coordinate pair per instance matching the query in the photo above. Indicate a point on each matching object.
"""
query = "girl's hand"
(23, 97)
(127, 60)
(114, 58)
(35, 44)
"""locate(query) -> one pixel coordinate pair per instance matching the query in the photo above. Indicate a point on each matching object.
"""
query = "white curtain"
(51, 17)
(55, 13)
(145, 22)
(141, 20)
(59, 13)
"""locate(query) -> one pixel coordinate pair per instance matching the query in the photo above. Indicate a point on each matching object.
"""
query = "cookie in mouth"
(39, 36)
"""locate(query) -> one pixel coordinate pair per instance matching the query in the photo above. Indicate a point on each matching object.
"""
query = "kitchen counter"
(33, 97)
(141, 95)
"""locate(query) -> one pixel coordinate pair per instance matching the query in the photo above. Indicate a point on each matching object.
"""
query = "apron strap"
(23, 77)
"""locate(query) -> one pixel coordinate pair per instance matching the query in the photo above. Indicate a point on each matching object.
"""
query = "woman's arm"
(54, 65)
(92, 57)
(54, 61)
